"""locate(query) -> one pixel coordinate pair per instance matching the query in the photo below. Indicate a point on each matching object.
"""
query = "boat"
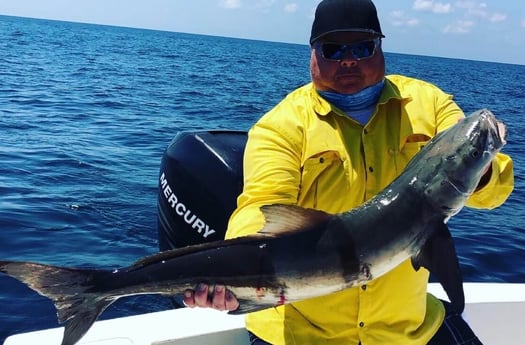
(199, 179)
(495, 311)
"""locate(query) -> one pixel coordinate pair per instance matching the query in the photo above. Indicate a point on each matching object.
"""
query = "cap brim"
(367, 31)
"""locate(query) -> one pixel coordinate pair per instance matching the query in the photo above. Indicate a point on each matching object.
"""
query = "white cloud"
(231, 4)
(412, 22)
(398, 13)
(430, 5)
(442, 8)
(461, 27)
(422, 5)
(401, 19)
(498, 17)
(291, 8)
(474, 8)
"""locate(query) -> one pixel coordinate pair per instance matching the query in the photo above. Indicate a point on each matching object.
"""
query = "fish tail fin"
(73, 291)
(80, 319)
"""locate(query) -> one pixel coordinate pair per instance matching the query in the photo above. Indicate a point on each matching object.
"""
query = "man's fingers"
(219, 301)
(231, 301)
(220, 298)
(201, 296)
(188, 299)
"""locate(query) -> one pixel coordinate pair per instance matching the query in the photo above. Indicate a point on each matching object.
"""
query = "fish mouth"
(487, 135)
(502, 132)
(497, 131)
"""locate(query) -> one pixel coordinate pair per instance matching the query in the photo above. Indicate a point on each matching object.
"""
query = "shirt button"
(363, 287)
(370, 169)
(361, 324)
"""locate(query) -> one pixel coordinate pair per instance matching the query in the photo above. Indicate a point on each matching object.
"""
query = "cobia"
(303, 253)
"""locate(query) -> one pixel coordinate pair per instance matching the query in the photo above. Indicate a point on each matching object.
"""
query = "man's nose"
(349, 61)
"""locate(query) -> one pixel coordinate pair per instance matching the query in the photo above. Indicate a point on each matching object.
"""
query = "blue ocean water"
(86, 112)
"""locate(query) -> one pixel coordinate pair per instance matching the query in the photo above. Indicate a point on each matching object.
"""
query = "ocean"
(86, 112)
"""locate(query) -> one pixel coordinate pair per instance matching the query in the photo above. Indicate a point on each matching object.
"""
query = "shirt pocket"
(413, 144)
(317, 174)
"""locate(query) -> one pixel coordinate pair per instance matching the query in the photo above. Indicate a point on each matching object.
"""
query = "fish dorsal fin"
(282, 219)
(195, 248)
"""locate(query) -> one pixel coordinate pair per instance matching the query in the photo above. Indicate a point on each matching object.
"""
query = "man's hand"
(216, 297)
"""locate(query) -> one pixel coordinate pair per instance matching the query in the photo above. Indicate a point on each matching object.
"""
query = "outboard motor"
(199, 181)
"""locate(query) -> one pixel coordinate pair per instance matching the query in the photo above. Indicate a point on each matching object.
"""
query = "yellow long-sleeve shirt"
(309, 153)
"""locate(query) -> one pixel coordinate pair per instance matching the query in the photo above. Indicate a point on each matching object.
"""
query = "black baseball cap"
(345, 15)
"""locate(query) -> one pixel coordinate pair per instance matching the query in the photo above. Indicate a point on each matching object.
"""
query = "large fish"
(303, 253)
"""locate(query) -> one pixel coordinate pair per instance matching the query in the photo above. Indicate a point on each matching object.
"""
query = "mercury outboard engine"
(199, 181)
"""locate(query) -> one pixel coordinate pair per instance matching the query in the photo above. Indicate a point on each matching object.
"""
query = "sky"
(489, 30)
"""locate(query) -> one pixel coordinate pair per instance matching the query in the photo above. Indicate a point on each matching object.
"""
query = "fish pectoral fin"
(281, 219)
(248, 306)
(439, 256)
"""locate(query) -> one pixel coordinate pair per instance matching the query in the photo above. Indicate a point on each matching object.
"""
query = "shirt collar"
(391, 91)
(323, 108)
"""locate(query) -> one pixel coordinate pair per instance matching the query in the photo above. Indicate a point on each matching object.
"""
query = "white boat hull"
(496, 312)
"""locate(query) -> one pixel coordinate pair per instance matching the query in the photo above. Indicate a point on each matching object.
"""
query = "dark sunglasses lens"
(333, 51)
(364, 50)
(359, 50)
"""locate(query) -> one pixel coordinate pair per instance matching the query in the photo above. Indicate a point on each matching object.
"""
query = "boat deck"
(495, 311)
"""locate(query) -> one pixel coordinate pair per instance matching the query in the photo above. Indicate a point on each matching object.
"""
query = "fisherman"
(331, 145)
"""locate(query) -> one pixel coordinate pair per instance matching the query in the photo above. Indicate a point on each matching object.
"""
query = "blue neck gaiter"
(361, 100)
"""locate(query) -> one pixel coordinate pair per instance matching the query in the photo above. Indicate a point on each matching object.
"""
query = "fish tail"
(73, 291)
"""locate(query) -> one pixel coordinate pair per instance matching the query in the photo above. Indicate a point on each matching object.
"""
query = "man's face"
(347, 74)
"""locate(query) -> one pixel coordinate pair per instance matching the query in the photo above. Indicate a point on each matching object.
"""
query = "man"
(332, 145)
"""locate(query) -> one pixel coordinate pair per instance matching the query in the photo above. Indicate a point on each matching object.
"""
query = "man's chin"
(349, 84)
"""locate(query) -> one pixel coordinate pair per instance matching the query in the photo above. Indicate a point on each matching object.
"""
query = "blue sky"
(490, 30)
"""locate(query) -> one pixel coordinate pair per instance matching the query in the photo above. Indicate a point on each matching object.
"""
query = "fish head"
(456, 159)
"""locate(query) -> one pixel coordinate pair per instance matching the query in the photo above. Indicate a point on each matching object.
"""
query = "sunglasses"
(359, 50)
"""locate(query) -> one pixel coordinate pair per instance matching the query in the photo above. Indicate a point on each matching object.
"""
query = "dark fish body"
(303, 253)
